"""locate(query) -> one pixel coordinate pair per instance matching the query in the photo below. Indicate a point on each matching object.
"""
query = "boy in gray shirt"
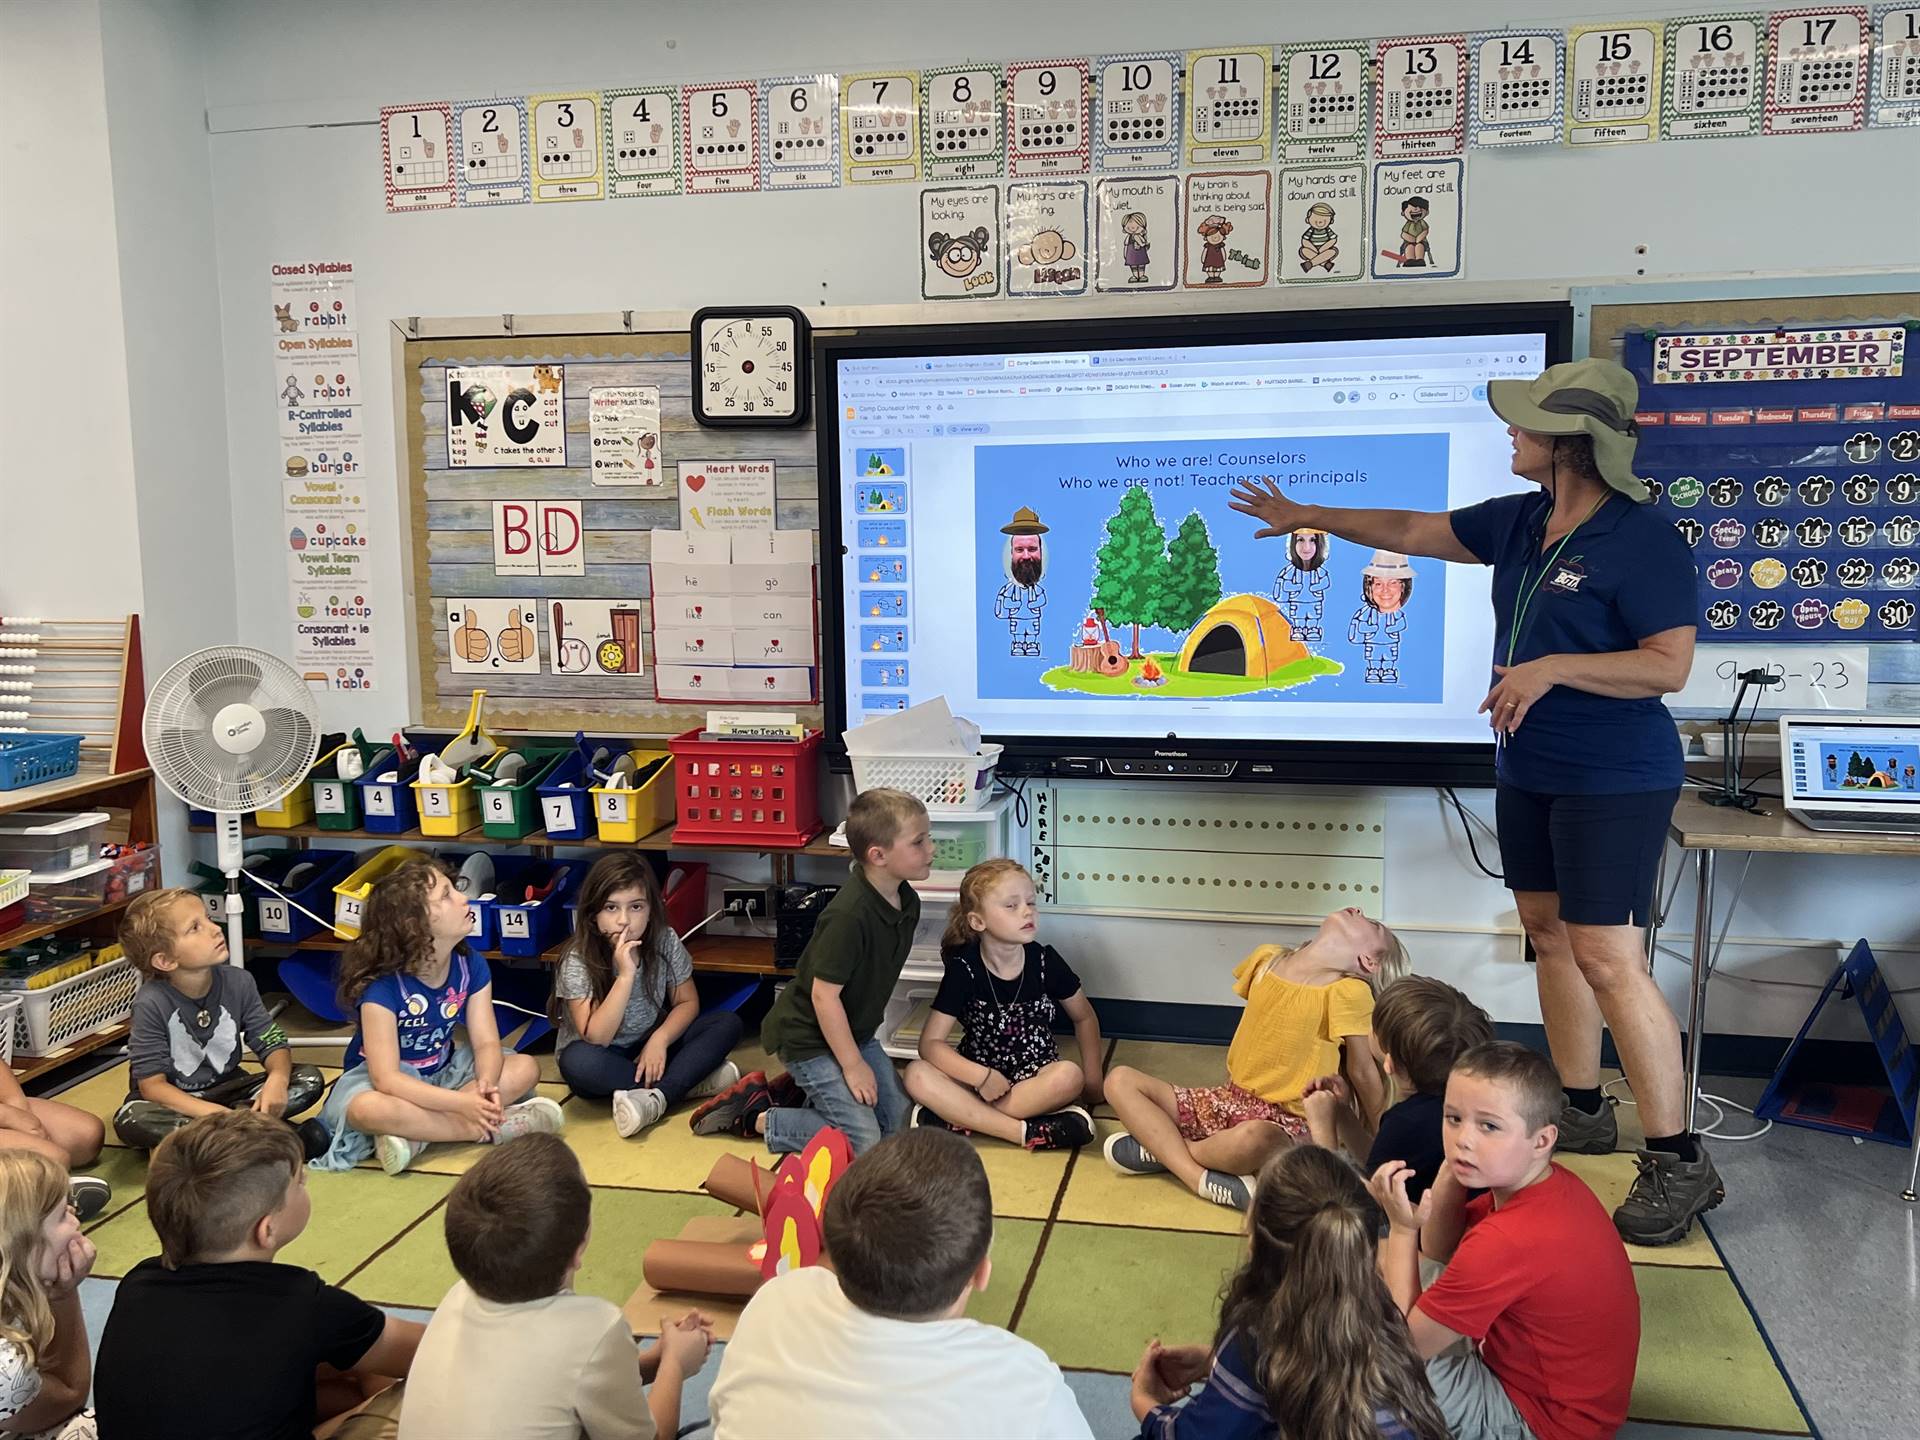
(190, 1017)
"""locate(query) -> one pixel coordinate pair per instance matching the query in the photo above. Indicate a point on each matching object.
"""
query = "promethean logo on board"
(1169, 754)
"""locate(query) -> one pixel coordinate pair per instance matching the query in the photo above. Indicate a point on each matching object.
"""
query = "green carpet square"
(1702, 1361)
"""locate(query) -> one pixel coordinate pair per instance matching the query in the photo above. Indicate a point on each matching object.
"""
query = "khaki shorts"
(1472, 1400)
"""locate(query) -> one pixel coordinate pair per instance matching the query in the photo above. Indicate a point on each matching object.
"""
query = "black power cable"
(1466, 823)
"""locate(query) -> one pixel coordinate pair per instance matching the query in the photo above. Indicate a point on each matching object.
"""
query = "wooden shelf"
(659, 840)
(328, 942)
(56, 793)
(734, 955)
(73, 922)
(32, 1067)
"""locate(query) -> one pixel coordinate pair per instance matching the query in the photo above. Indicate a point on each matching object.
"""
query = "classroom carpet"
(1088, 1265)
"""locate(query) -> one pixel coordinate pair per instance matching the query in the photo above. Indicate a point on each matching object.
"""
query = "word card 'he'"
(800, 132)
(1229, 227)
(1423, 97)
(643, 141)
(567, 159)
(1816, 70)
(1137, 233)
(1229, 105)
(492, 156)
(1715, 69)
(1047, 118)
(1517, 95)
(965, 133)
(1417, 220)
(1324, 101)
(880, 125)
(1136, 124)
(1322, 222)
(415, 141)
(722, 140)
(960, 243)
(1047, 238)
(1613, 83)
(1896, 65)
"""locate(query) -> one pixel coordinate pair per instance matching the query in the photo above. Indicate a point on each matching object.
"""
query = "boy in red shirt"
(1536, 1277)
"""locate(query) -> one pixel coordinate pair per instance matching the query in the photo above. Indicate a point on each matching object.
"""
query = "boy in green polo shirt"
(823, 1024)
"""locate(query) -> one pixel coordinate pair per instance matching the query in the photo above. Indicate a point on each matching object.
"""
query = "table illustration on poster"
(1789, 460)
(1119, 571)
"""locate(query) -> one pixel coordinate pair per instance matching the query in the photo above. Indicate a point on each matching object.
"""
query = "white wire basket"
(950, 782)
(13, 887)
(9, 1017)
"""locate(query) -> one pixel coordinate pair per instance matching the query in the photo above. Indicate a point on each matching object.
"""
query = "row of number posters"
(1429, 96)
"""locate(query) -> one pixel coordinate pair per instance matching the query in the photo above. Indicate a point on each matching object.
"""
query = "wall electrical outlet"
(749, 903)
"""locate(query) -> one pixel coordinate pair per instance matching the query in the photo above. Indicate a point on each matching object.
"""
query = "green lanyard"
(1527, 592)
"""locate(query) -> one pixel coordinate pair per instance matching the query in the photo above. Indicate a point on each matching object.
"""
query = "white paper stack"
(929, 728)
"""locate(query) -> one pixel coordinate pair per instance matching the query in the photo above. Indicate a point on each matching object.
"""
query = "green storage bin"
(512, 811)
(336, 802)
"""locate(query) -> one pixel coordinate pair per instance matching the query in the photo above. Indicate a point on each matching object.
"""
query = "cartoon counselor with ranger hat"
(1593, 606)
(1020, 601)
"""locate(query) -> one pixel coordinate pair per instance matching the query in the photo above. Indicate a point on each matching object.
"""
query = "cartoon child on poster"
(1414, 232)
(1386, 585)
(1301, 588)
(1319, 245)
(1213, 247)
(1020, 601)
(1138, 250)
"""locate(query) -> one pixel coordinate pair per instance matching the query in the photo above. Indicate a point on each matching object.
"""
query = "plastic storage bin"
(275, 918)
(387, 807)
(952, 782)
(131, 870)
(36, 759)
(54, 895)
(446, 809)
(625, 815)
(530, 928)
(51, 841)
(9, 1017)
(350, 895)
(296, 806)
(13, 898)
(511, 876)
(744, 792)
(62, 1013)
(512, 810)
(336, 802)
(566, 799)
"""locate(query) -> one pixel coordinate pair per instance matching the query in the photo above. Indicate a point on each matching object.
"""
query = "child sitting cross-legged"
(44, 1366)
(878, 1346)
(214, 1336)
(1310, 1343)
(1309, 1013)
(411, 981)
(1005, 1078)
(1420, 1027)
(67, 1135)
(1533, 1327)
(190, 1015)
(625, 1003)
(512, 1350)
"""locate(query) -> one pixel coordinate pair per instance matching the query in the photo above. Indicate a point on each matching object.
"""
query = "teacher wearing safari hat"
(1593, 603)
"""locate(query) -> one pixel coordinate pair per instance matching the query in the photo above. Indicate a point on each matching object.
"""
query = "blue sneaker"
(1128, 1156)
(1233, 1191)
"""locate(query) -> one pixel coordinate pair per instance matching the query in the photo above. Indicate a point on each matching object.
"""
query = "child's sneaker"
(89, 1195)
(1129, 1156)
(732, 1111)
(536, 1116)
(1233, 1191)
(635, 1110)
(718, 1079)
(395, 1153)
(921, 1118)
(1066, 1129)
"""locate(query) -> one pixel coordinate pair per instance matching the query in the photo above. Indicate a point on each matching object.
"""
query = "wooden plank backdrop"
(450, 549)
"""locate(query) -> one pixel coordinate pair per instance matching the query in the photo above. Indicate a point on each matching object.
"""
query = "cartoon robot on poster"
(1301, 588)
(1020, 601)
(1386, 584)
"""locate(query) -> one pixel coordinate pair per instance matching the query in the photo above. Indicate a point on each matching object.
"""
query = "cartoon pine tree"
(1126, 570)
(1190, 583)
(1859, 767)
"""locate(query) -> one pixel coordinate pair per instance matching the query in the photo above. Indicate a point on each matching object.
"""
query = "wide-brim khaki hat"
(1584, 397)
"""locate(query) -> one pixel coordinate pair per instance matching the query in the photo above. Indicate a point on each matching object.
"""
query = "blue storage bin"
(566, 799)
(36, 759)
(388, 807)
(511, 876)
(529, 929)
(280, 922)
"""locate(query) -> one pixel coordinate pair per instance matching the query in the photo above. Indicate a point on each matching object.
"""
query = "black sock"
(1682, 1145)
(1587, 1102)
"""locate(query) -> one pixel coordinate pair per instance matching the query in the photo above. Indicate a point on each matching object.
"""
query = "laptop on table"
(1857, 774)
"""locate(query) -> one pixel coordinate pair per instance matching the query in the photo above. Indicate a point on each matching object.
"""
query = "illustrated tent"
(1241, 635)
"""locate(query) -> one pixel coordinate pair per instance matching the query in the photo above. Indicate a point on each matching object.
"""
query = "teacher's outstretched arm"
(1411, 532)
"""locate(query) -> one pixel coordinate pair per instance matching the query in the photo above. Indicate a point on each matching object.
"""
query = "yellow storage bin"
(296, 809)
(449, 809)
(350, 895)
(624, 816)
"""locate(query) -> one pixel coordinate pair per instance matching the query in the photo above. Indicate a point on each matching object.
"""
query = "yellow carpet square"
(668, 1156)
(1099, 1195)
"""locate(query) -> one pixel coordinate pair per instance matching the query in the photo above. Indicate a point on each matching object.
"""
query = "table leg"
(1654, 917)
(1702, 954)
(1910, 1194)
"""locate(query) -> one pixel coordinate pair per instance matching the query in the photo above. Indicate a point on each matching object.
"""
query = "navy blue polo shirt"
(1626, 574)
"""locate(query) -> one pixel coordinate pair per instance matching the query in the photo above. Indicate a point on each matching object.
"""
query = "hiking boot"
(396, 1153)
(1584, 1134)
(921, 1118)
(1666, 1195)
(88, 1195)
(718, 1079)
(537, 1116)
(635, 1110)
(734, 1109)
(1129, 1156)
(1233, 1191)
(1066, 1129)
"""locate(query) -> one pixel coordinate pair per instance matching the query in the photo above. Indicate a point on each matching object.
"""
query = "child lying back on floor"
(1308, 1014)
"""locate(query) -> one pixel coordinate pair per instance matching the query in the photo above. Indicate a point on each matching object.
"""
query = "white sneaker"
(635, 1110)
(396, 1154)
(723, 1075)
(538, 1115)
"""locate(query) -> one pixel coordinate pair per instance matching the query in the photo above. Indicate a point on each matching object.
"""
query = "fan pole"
(232, 855)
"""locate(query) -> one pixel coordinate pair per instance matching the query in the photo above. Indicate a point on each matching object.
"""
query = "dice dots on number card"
(414, 145)
(1613, 83)
(1136, 116)
(490, 154)
(1896, 65)
(567, 159)
(1047, 117)
(643, 141)
(1324, 94)
(965, 135)
(1229, 105)
(1422, 97)
(800, 132)
(1716, 67)
(1517, 95)
(721, 136)
(1816, 70)
(880, 126)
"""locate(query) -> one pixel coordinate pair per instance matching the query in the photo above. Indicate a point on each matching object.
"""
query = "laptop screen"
(1876, 762)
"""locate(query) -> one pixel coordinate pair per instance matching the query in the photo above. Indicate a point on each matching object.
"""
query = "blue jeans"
(596, 1071)
(829, 1102)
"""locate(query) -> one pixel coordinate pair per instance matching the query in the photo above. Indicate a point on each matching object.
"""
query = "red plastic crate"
(740, 792)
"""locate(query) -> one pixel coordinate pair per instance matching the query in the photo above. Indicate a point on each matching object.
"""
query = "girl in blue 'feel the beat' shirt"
(412, 982)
